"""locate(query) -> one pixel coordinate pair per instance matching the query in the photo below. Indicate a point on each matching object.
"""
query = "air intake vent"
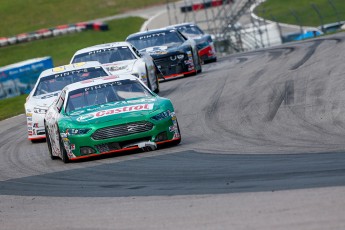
(122, 130)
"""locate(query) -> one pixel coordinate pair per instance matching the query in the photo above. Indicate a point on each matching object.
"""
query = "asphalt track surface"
(263, 148)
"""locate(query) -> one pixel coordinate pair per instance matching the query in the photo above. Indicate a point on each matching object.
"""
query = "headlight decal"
(72, 131)
(161, 116)
(39, 110)
(180, 56)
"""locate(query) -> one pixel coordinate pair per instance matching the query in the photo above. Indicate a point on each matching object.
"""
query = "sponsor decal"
(50, 95)
(58, 69)
(85, 117)
(35, 125)
(117, 67)
(104, 85)
(29, 118)
(29, 114)
(177, 135)
(29, 124)
(107, 50)
(151, 36)
(79, 64)
(124, 109)
(157, 50)
(82, 72)
(110, 77)
(172, 128)
(72, 146)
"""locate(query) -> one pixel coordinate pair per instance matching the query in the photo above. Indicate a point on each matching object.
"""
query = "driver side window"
(136, 51)
(60, 101)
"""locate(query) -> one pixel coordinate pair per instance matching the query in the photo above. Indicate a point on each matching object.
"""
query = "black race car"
(204, 42)
(174, 54)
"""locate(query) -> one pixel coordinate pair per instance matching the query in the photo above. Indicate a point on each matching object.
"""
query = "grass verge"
(62, 48)
(18, 16)
(303, 12)
(12, 106)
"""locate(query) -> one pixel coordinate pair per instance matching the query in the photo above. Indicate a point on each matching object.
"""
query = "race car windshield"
(56, 82)
(165, 38)
(190, 30)
(111, 92)
(106, 55)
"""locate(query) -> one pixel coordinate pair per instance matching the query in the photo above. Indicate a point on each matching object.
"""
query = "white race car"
(122, 57)
(48, 86)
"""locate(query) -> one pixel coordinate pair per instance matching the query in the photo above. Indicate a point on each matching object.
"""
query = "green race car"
(106, 115)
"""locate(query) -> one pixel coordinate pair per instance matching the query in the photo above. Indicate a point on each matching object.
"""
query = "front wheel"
(63, 151)
(199, 68)
(49, 145)
(157, 83)
(176, 142)
(148, 79)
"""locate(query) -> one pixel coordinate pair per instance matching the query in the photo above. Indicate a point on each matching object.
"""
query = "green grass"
(10, 107)
(18, 16)
(301, 12)
(62, 48)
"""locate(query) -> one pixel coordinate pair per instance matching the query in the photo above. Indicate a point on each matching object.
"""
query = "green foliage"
(10, 107)
(19, 16)
(302, 12)
(62, 48)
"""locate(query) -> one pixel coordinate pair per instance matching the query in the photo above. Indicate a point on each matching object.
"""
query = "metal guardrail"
(236, 29)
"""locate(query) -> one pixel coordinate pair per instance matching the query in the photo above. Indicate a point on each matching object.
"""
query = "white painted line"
(144, 26)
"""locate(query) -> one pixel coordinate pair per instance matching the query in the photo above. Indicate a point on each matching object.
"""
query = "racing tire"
(49, 145)
(176, 142)
(148, 79)
(197, 65)
(199, 69)
(64, 156)
(156, 91)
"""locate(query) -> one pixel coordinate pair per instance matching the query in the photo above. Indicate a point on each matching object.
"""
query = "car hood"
(116, 112)
(195, 36)
(161, 50)
(44, 100)
(121, 66)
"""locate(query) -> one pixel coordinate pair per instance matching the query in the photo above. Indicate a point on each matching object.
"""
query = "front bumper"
(208, 53)
(161, 132)
(35, 126)
(170, 66)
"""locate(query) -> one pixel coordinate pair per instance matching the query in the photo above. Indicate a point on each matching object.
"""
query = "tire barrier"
(204, 5)
(53, 32)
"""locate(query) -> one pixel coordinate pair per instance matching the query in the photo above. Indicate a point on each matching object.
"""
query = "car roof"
(70, 67)
(98, 81)
(150, 31)
(181, 24)
(102, 46)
